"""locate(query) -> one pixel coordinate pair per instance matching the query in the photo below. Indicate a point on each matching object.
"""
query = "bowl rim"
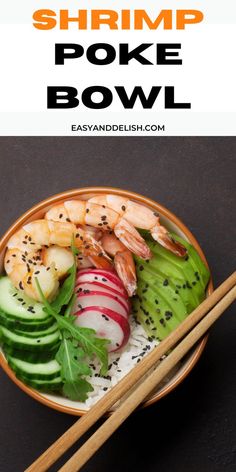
(141, 199)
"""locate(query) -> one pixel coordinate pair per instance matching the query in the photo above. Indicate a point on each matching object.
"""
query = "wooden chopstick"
(51, 455)
(136, 397)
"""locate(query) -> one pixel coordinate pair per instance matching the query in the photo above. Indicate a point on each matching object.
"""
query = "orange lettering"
(44, 20)
(111, 20)
(187, 17)
(81, 19)
(141, 16)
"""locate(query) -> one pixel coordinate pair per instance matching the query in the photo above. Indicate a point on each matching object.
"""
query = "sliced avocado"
(169, 288)
(196, 261)
(165, 318)
(183, 266)
(177, 284)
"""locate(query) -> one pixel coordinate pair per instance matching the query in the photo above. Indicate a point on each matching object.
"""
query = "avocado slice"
(169, 287)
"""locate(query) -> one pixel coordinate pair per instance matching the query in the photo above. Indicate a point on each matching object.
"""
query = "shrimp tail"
(131, 238)
(161, 235)
(101, 262)
(125, 268)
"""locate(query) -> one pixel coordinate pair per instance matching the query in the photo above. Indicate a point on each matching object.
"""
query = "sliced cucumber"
(43, 371)
(17, 305)
(53, 385)
(37, 334)
(27, 343)
(32, 357)
(13, 323)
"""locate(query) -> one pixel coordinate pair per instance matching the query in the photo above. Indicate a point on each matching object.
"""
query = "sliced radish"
(111, 275)
(102, 299)
(105, 278)
(97, 287)
(107, 323)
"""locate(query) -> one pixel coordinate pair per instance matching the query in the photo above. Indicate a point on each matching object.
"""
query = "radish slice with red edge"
(107, 323)
(90, 289)
(102, 299)
(112, 281)
(111, 275)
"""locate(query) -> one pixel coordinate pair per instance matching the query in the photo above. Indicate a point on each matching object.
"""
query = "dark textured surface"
(194, 428)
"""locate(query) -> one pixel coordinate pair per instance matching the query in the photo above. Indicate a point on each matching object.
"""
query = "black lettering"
(126, 55)
(147, 102)
(62, 97)
(170, 99)
(67, 51)
(110, 54)
(162, 54)
(104, 103)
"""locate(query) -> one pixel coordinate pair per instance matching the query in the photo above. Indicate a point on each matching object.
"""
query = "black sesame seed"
(156, 301)
(87, 210)
(168, 315)
(141, 268)
(123, 208)
(165, 283)
(61, 215)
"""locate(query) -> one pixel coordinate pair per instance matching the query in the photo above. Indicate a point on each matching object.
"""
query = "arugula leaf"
(66, 291)
(70, 357)
(68, 311)
(77, 390)
(74, 249)
(85, 336)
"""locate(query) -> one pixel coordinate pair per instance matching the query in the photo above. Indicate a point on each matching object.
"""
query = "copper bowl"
(172, 222)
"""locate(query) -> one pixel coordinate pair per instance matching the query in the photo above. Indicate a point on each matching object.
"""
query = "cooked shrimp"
(123, 261)
(112, 212)
(40, 249)
(141, 217)
(82, 212)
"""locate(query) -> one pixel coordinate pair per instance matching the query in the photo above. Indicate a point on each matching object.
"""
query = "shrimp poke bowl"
(91, 281)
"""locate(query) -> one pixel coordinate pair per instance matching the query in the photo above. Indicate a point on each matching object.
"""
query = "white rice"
(120, 363)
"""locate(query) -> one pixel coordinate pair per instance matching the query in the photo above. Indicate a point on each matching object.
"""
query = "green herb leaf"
(68, 311)
(85, 336)
(77, 391)
(70, 357)
(75, 250)
(66, 291)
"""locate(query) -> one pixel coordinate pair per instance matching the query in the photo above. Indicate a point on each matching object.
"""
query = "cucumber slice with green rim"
(54, 385)
(42, 371)
(33, 357)
(17, 305)
(30, 344)
(37, 334)
(13, 323)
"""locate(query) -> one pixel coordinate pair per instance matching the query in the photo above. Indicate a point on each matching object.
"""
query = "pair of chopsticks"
(189, 332)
